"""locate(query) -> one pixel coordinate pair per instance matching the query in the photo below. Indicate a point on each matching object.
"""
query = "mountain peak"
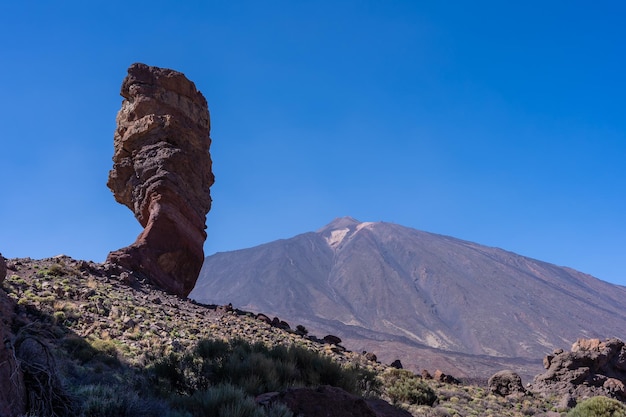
(337, 230)
(418, 291)
(340, 223)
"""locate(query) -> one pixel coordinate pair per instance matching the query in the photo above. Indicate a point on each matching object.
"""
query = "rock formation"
(327, 401)
(12, 391)
(162, 172)
(591, 368)
(442, 377)
(506, 383)
(3, 268)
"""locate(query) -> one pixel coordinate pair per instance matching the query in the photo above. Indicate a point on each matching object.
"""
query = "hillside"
(95, 340)
(433, 301)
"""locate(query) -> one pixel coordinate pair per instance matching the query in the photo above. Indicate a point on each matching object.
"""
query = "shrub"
(58, 317)
(256, 368)
(403, 386)
(57, 270)
(78, 348)
(169, 374)
(226, 400)
(598, 407)
(98, 350)
(108, 401)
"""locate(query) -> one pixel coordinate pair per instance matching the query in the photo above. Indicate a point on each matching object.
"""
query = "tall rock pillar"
(162, 172)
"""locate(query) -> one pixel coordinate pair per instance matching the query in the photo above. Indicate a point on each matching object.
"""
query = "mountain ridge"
(380, 284)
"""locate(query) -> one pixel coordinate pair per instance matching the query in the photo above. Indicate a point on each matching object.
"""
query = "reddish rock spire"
(162, 172)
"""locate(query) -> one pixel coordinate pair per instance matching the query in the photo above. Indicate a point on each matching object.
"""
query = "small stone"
(547, 360)
(129, 323)
(396, 364)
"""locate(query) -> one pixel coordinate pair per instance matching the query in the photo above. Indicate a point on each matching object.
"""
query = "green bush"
(226, 400)
(97, 350)
(57, 270)
(598, 407)
(404, 387)
(169, 374)
(108, 401)
(256, 368)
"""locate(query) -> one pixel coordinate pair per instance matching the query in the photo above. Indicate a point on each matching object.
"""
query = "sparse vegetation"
(226, 400)
(252, 369)
(598, 407)
(404, 387)
(109, 351)
(111, 401)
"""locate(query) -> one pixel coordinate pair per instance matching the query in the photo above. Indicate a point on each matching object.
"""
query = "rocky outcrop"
(506, 383)
(12, 393)
(3, 268)
(162, 172)
(592, 368)
(327, 401)
(442, 377)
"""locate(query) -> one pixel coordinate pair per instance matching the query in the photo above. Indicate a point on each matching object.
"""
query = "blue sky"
(502, 123)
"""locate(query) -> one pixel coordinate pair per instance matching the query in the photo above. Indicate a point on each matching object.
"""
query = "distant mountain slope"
(401, 292)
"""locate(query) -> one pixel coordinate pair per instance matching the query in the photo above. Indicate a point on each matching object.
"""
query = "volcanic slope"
(432, 301)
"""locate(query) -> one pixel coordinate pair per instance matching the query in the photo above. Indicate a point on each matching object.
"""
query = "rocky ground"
(68, 302)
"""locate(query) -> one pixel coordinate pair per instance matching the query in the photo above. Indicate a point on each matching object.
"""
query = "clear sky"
(502, 123)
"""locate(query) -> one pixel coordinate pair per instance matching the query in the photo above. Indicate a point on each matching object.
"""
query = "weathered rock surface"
(442, 377)
(3, 268)
(327, 401)
(593, 367)
(505, 383)
(12, 391)
(162, 172)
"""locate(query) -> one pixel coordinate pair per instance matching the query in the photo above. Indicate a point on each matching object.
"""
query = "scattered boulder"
(370, 356)
(280, 324)
(448, 379)
(327, 401)
(264, 318)
(426, 374)
(227, 308)
(396, 364)
(506, 383)
(330, 339)
(591, 368)
(162, 172)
